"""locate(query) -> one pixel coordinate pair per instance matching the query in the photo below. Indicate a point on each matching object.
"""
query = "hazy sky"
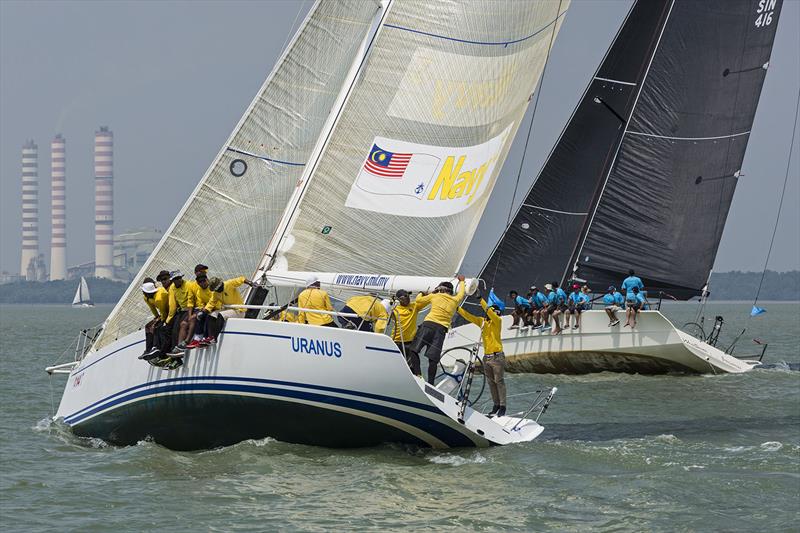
(172, 79)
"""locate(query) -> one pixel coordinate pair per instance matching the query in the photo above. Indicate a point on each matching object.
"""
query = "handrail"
(291, 308)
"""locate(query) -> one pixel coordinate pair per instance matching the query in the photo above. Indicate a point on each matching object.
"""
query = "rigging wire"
(780, 204)
(527, 141)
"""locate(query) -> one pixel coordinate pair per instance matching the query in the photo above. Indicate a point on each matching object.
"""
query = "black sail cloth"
(644, 172)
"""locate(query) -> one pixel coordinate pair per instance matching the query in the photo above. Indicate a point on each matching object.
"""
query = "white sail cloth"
(228, 219)
(408, 168)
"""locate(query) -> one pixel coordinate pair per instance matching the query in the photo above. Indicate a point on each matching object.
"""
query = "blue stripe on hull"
(205, 421)
(141, 427)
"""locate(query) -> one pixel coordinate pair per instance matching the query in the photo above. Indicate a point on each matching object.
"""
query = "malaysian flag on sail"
(386, 164)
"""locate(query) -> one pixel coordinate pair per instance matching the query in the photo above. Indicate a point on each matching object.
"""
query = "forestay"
(234, 209)
(407, 169)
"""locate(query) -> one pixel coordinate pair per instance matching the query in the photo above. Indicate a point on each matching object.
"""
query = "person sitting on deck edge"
(223, 293)
(613, 302)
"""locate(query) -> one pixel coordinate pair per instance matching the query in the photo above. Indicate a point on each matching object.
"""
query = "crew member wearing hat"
(613, 301)
(538, 307)
(199, 269)
(313, 297)
(372, 315)
(224, 293)
(405, 328)
(494, 360)
(155, 300)
(431, 334)
(177, 319)
(522, 308)
(556, 304)
(578, 302)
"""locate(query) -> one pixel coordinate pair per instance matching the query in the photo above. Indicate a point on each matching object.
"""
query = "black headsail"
(644, 173)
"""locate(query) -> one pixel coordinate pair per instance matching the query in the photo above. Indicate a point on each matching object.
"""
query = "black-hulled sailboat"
(641, 178)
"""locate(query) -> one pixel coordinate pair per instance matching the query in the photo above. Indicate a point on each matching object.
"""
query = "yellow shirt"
(229, 295)
(443, 306)
(285, 316)
(159, 303)
(198, 297)
(405, 321)
(370, 309)
(314, 298)
(490, 328)
(178, 299)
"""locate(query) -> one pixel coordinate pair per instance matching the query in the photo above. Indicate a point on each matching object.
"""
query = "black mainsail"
(643, 174)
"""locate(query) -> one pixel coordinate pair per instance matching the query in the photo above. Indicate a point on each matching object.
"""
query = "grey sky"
(171, 80)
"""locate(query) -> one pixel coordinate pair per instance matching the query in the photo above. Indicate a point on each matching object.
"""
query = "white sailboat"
(642, 177)
(368, 156)
(82, 297)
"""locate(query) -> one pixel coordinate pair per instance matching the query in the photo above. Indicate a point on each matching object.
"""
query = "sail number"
(765, 10)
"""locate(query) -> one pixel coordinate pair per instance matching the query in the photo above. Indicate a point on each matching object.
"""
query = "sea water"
(619, 453)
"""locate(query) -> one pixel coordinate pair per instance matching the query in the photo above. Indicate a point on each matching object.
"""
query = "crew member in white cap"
(157, 300)
(315, 298)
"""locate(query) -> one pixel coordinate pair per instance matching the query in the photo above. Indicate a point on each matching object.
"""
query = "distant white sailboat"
(82, 296)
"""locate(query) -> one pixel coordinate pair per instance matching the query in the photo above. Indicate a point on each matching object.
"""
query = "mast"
(270, 254)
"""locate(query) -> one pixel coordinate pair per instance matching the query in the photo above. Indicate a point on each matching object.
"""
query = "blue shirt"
(551, 298)
(585, 298)
(522, 302)
(629, 283)
(613, 298)
(641, 300)
(576, 298)
(540, 299)
(561, 296)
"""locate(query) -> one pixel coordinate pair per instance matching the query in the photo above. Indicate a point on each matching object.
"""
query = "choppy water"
(619, 453)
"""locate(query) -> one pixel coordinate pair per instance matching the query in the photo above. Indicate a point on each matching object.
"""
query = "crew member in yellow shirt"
(405, 328)
(224, 293)
(372, 315)
(494, 360)
(433, 330)
(198, 299)
(157, 299)
(315, 298)
(178, 316)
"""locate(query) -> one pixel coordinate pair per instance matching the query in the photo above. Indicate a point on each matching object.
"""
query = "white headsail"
(401, 180)
(82, 293)
(234, 209)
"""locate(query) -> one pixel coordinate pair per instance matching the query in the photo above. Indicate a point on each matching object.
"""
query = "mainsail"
(234, 209)
(644, 173)
(407, 168)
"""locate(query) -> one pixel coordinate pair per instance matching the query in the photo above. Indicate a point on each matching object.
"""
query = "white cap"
(149, 288)
(175, 274)
(548, 286)
(310, 280)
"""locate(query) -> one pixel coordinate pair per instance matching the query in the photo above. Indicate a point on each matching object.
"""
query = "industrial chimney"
(103, 203)
(58, 196)
(30, 207)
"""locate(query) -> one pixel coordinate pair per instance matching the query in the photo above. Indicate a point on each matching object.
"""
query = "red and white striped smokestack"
(104, 203)
(30, 207)
(58, 199)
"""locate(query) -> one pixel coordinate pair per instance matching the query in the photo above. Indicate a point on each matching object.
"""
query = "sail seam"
(482, 43)
(265, 158)
(554, 210)
(615, 81)
(688, 138)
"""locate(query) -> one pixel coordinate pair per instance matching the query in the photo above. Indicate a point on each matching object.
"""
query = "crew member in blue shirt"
(634, 303)
(630, 282)
(613, 302)
(522, 308)
(538, 307)
(556, 304)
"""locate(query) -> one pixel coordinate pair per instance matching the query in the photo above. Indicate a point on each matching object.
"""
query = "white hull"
(262, 379)
(655, 346)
